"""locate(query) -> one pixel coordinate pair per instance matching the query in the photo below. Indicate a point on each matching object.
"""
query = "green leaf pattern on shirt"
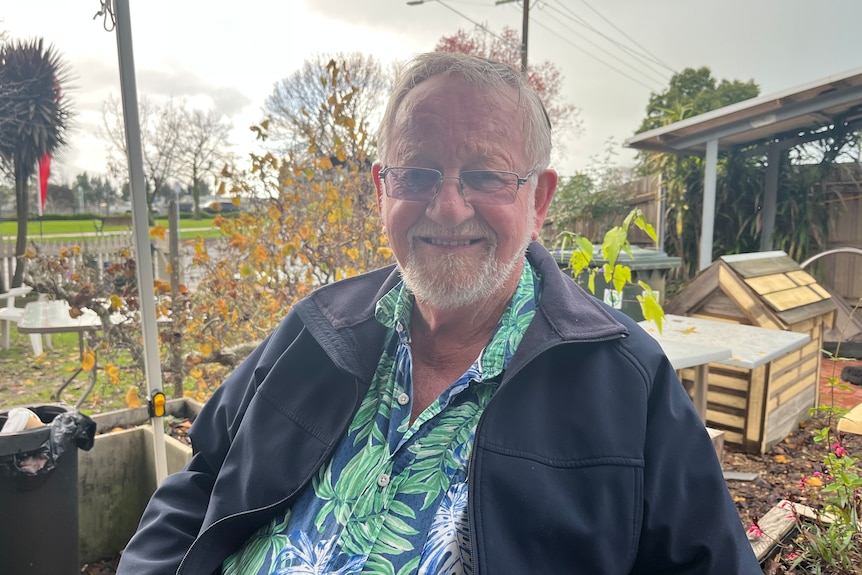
(344, 521)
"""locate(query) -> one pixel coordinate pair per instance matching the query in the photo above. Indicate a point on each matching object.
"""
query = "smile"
(449, 243)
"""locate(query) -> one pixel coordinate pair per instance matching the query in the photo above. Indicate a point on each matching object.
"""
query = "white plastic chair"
(10, 313)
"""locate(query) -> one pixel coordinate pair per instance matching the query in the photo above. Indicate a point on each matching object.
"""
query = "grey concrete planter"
(117, 477)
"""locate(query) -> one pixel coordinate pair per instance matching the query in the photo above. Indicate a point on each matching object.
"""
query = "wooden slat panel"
(788, 394)
(732, 437)
(715, 418)
(763, 266)
(821, 291)
(689, 299)
(728, 382)
(755, 415)
(715, 397)
(801, 277)
(785, 381)
(824, 307)
(785, 360)
(805, 326)
(770, 283)
(803, 361)
(749, 302)
(791, 298)
(719, 307)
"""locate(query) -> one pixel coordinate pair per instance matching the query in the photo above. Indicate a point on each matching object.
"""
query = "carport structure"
(766, 125)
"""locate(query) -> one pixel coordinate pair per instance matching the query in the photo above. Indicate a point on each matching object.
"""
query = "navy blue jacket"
(589, 459)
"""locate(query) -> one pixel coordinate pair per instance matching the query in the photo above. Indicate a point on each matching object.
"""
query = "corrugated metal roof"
(808, 107)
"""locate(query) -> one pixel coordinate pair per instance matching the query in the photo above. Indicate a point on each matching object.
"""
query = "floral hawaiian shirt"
(393, 498)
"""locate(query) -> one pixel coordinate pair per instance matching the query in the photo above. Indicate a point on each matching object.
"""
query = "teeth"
(437, 242)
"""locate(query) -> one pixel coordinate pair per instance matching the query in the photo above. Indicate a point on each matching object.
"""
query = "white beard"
(453, 282)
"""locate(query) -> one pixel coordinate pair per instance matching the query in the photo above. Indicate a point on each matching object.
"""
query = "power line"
(465, 17)
(618, 59)
(594, 57)
(629, 38)
(645, 59)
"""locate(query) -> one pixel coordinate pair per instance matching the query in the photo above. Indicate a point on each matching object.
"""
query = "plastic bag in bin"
(35, 450)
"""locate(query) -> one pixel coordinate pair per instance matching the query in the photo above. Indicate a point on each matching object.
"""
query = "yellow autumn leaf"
(88, 362)
(206, 348)
(235, 201)
(132, 398)
(814, 482)
(116, 302)
(113, 372)
(158, 232)
(124, 252)
(781, 458)
(196, 372)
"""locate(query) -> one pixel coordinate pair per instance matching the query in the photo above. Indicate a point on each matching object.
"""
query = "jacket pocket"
(534, 516)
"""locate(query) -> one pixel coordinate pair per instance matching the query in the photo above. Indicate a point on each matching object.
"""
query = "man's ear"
(545, 188)
(378, 184)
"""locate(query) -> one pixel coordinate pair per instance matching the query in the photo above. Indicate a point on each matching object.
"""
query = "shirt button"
(403, 399)
(383, 480)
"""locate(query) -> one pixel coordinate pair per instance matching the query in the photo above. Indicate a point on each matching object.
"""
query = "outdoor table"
(751, 346)
(52, 316)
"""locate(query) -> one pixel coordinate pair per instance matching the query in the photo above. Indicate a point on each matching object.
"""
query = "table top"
(750, 346)
(684, 354)
(52, 316)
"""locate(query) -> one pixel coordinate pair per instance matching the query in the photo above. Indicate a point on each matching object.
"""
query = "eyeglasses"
(477, 187)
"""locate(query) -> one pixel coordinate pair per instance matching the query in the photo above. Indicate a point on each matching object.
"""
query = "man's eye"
(484, 181)
(419, 178)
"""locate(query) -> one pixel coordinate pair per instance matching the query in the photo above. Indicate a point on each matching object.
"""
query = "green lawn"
(51, 227)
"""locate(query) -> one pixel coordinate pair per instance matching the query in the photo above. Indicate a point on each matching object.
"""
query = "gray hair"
(483, 73)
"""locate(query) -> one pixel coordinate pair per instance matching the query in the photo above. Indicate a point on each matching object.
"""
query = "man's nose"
(449, 208)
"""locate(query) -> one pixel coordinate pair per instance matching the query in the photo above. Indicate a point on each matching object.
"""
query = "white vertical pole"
(140, 223)
(770, 199)
(708, 214)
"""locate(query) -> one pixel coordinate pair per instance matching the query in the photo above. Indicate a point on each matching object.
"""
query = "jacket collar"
(340, 316)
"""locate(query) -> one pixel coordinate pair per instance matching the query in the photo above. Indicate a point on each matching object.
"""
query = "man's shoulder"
(348, 301)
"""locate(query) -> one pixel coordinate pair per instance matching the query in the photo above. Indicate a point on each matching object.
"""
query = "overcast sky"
(229, 54)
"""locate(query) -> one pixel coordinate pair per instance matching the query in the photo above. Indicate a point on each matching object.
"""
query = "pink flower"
(802, 483)
(791, 556)
(839, 450)
(755, 530)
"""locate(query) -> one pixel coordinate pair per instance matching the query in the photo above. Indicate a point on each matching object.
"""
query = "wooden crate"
(758, 407)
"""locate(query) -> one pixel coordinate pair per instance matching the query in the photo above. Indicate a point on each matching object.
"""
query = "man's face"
(454, 254)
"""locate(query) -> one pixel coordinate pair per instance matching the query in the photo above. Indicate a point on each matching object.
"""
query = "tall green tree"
(34, 117)
(689, 93)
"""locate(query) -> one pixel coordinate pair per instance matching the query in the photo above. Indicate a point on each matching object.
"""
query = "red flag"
(44, 172)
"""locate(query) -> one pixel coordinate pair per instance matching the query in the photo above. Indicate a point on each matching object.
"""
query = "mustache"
(470, 228)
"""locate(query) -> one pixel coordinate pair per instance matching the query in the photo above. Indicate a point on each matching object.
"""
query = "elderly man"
(470, 411)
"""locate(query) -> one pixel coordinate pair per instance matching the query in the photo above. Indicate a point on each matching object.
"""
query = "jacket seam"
(291, 414)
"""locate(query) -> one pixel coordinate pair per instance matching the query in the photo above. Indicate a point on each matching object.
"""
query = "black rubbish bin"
(39, 492)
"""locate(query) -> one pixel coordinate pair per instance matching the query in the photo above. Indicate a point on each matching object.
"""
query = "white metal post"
(140, 223)
(708, 213)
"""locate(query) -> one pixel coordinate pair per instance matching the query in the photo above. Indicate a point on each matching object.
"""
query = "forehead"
(450, 118)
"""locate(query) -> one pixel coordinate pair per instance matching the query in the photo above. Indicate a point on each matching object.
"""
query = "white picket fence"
(103, 248)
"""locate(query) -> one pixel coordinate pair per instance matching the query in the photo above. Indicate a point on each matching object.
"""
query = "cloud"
(226, 100)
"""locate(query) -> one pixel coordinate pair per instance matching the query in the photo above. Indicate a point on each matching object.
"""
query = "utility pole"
(525, 27)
